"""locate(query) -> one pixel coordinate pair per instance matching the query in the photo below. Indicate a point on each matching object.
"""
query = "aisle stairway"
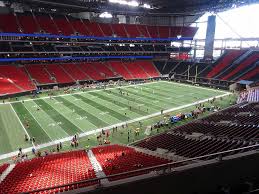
(6, 171)
(97, 167)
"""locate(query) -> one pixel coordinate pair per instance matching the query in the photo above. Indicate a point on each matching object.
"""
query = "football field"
(59, 118)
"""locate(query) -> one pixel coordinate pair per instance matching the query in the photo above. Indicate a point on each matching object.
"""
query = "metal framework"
(180, 7)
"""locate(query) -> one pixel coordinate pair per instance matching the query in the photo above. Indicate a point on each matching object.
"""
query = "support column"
(210, 35)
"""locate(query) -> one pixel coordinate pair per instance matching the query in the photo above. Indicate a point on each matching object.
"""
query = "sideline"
(26, 150)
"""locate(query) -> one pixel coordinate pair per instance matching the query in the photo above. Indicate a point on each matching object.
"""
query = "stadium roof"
(185, 7)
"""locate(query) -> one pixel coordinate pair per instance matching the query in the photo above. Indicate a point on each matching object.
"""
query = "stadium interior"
(123, 96)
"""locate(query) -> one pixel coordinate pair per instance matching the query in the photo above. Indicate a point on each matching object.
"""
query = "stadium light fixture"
(105, 15)
(175, 44)
(2, 4)
(133, 3)
(114, 1)
(147, 6)
(124, 2)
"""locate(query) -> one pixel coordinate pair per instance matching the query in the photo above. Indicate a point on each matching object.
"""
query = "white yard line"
(104, 113)
(4, 156)
(123, 109)
(26, 132)
(64, 115)
(38, 122)
(191, 86)
(89, 112)
(99, 90)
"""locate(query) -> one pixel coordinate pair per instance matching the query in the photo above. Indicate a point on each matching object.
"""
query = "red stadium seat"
(94, 28)
(8, 23)
(47, 24)
(164, 31)
(119, 30)
(153, 31)
(49, 171)
(117, 159)
(40, 74)
(64, 26)
(106, 29)
(14, 80)
(149, 68)
(60, 24)
(3, 167)
(75, 71)
(90, 70)
(104, 70)
(224, 61)
(59, 73)
(28, 23)
(243, 65)
(143, 31)
(136, 70)
(80, 27)
(132, 30)
(120, 69)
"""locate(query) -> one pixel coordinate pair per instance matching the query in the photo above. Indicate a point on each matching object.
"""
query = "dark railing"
(163, 168)
(73, 58)
(6, 35)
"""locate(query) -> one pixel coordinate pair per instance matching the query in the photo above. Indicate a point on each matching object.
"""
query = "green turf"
(121, 136)
(11, 130)
(34, 129)
(67, 115)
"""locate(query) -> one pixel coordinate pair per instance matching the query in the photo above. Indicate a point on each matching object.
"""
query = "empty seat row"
(3, 167)
(66, 25)
(236, 69)
(224, 61)
(232, 128)
(116, 159)
(188, 147)
(181, 68)
(243, 107)
(14, 79)
(49, 171)
(230, 131)
(135, 70)
(238, 119)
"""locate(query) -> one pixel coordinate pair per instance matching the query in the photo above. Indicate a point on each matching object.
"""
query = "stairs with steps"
(129, 72)
(6, 172)
(145, 71)
(67, 73)
(97, 167)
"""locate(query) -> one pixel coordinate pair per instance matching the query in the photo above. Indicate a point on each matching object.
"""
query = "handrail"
(73, 58)
(81, 52)
(92, 37)
(158, 167)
